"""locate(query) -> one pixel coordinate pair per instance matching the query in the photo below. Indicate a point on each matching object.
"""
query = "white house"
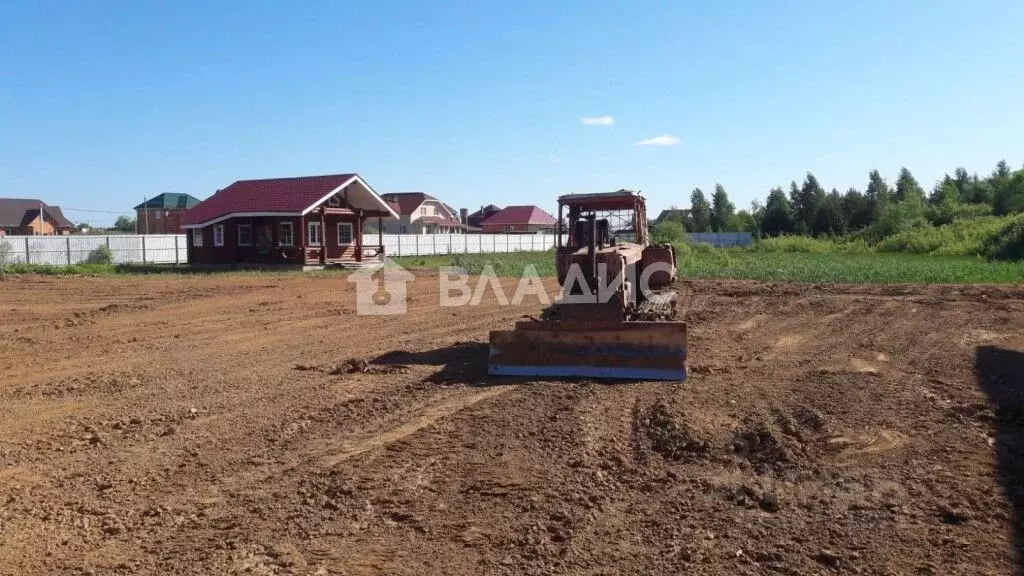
(421, 213)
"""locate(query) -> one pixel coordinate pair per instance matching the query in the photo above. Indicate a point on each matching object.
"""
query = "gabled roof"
(408, 202)
(439, 221)
(276, 196)
(169, 201)
(675, 213)
(19, 212)
(521, 215)
(489, 209)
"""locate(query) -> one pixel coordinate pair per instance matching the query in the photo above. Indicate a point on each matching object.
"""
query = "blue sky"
(103, 103)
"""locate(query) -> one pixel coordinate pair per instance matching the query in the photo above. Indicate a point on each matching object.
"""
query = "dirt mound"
(764, 445)
(353, 366)
(666, 434)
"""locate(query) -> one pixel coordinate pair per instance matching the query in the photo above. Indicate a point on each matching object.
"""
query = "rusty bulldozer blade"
(591, 349)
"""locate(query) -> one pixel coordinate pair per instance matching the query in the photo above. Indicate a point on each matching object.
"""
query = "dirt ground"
(193, 425)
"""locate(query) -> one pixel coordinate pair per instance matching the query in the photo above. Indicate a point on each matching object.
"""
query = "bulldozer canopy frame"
(624, 210)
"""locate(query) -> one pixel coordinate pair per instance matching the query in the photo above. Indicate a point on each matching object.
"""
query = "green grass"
(856, 268)
(783, 266)
(700, 261)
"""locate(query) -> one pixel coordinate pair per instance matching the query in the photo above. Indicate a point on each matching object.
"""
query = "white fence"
(172, 248)
(66, 250)
(426, 244)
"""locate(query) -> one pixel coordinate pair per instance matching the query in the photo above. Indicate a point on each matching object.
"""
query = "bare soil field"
(212, 425)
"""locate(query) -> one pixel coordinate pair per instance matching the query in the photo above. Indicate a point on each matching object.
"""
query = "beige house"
(421, 213)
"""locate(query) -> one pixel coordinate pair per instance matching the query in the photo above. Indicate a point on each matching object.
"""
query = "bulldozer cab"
(610, 217)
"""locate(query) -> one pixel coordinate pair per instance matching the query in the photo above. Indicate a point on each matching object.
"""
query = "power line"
(96, 211)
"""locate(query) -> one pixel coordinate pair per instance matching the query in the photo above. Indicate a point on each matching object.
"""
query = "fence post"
(417, 244)
(177, 260)
(143, 248)
(69, 250)
(399, 245)
(433, 240)
(508, 238)
(27, 252)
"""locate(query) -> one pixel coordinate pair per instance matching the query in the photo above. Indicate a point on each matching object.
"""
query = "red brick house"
(163, 213)
(519, 219)
(304, 221)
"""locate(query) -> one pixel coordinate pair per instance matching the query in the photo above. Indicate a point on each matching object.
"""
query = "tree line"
(880, 210)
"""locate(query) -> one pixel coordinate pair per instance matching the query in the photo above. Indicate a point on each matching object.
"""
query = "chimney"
(464, 216)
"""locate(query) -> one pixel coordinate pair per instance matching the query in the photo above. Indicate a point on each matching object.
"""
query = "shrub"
(1008, 244)
(668, 231)
(101, 255)
(5, 256)
(806, 244)
(968, 237)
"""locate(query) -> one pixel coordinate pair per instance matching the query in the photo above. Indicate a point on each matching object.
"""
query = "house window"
(156, 215)
(403, 229)
(197, 237)
(423, 211)
(245, 235)
(218, 235)
(506, 228)
(334, 201)
(314, 233)
(344, 233)
(285, 234)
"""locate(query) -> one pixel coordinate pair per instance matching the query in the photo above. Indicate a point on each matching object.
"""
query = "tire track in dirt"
(428, 417)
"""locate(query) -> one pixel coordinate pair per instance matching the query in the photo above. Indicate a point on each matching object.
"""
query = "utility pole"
(145, 213)
(41, 220)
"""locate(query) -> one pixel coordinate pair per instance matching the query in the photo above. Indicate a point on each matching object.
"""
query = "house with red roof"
(302, 221)
(421, 213)
(519, 219)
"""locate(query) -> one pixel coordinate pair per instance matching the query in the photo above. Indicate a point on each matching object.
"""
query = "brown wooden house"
(303, 221)
(21, 216)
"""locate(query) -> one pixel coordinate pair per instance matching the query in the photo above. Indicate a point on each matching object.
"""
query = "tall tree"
(742, 221)
(878, 194)
(806, 204)
(907, 188)
(962, 180)
(721, 209)
(857, 209)
(124, 224)
(700, 212)
(778, 214)
(1008, 194)
(946, 193)
(828, 218)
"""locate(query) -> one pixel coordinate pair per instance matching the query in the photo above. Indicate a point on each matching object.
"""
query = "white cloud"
(665, 140)
(597, 120)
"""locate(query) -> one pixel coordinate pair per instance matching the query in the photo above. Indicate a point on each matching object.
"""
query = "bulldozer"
(615, 317)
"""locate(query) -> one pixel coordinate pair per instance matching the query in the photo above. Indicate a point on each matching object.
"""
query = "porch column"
(323, 234)
(359, 235)
(302, 240)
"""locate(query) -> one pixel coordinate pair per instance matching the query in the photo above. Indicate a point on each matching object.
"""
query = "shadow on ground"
(1000, 374)
(461, 363)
